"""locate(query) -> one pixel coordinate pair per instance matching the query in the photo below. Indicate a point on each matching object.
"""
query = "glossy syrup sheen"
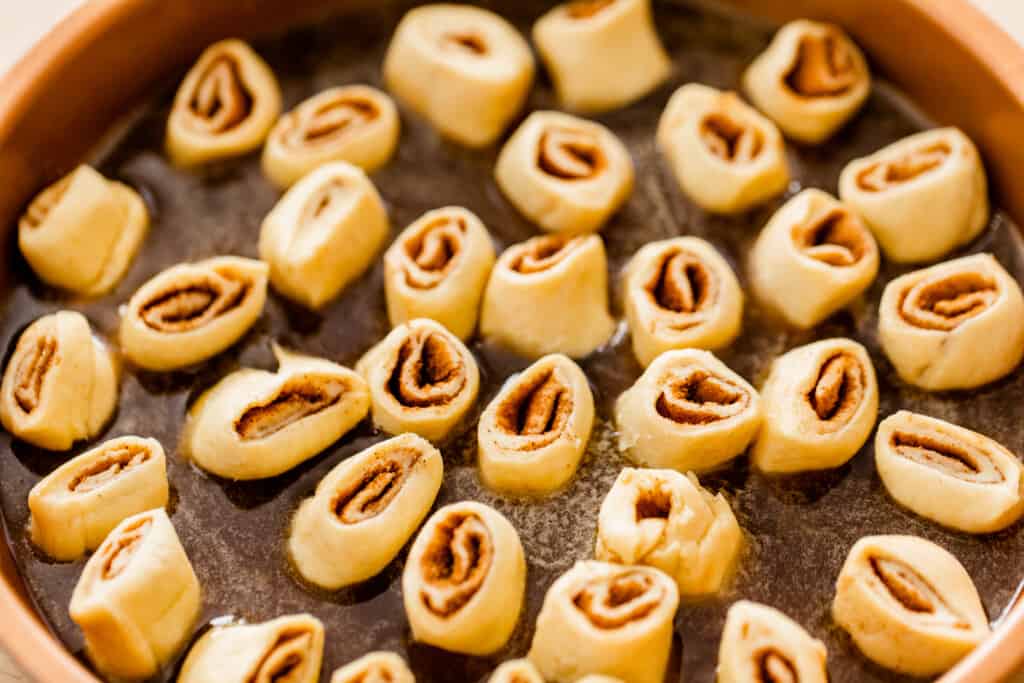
(798, 529)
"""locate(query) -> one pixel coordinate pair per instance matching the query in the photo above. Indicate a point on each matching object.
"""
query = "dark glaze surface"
(798, 530)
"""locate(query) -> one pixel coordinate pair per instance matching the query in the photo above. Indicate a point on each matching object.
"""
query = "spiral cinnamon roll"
(688, 411)
(564, 173)
(82, 232)
(79, 503)
(60, 384)
(531, 437)
(933, 322)
(813, 258)
(922, 196)
(667, 520)
(192, 311)
(364, 511)
(464, 580)
(760, 643)
(437, 268)
(422, 379)
(137, 598)
(949, 474)
(547, 295)
(464, 69)
(353, 123)
(820, 405)
(726, 157)
(255, 424)
(601, 618)
(516, 671)
(225, 107)
(681, 293)
(908, 604)
(376, 667)
(284, 650)
(601, 54)
(810, 80)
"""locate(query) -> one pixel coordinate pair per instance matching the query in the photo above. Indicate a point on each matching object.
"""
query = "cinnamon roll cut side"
(464, 580)
(564, 173)
(760, 643)
(376, 667)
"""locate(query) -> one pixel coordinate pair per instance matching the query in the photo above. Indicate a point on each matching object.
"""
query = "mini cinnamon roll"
(813, 258)
(137, 598)
(726, 157)
(287, 650)
(364, 511)
(564, 173)
(82, 232)
(516, 671)
(353, 123)
(79, 503)
(601, 618)
(255, 424)
(908, 604)
(323, 233)
(464, 69)
(681, 293)
(437, 268)
(667, 520)
(820, 405)
(810, 80)
(192, 311)
(922, 196)
(376, 667)
(225, 107)
(601, 54)
(531, 437)
(422, 379)
(949, 474)
(688, 411)
(464, 580)
(760, 643)
(934, 323)
(60, 385)
(547, 295)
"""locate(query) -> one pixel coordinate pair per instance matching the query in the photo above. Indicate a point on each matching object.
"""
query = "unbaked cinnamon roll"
(949, 474)
(922, 196)
(681, 293)
(813, 258)
(667, 520)
(353, 123)
(516, 671)
(323, 233)
(225, 107)
(726, 157)
(688, 411)
(601, 618)
(820, 405)
(137, 598)
(909, 605)
(79, 503)
(601, 54)
(437, 268)
(955, 325)
(255, 424)
(760, 643)
(464, 69)
(564, 173)
(464, 580)
(531, 437)
(376, 667)
(810, 80)
(547, 295)
(284, 650)
(422, 379)
(192, 311)
(60, 385)
(364, 511)
(82, 232)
